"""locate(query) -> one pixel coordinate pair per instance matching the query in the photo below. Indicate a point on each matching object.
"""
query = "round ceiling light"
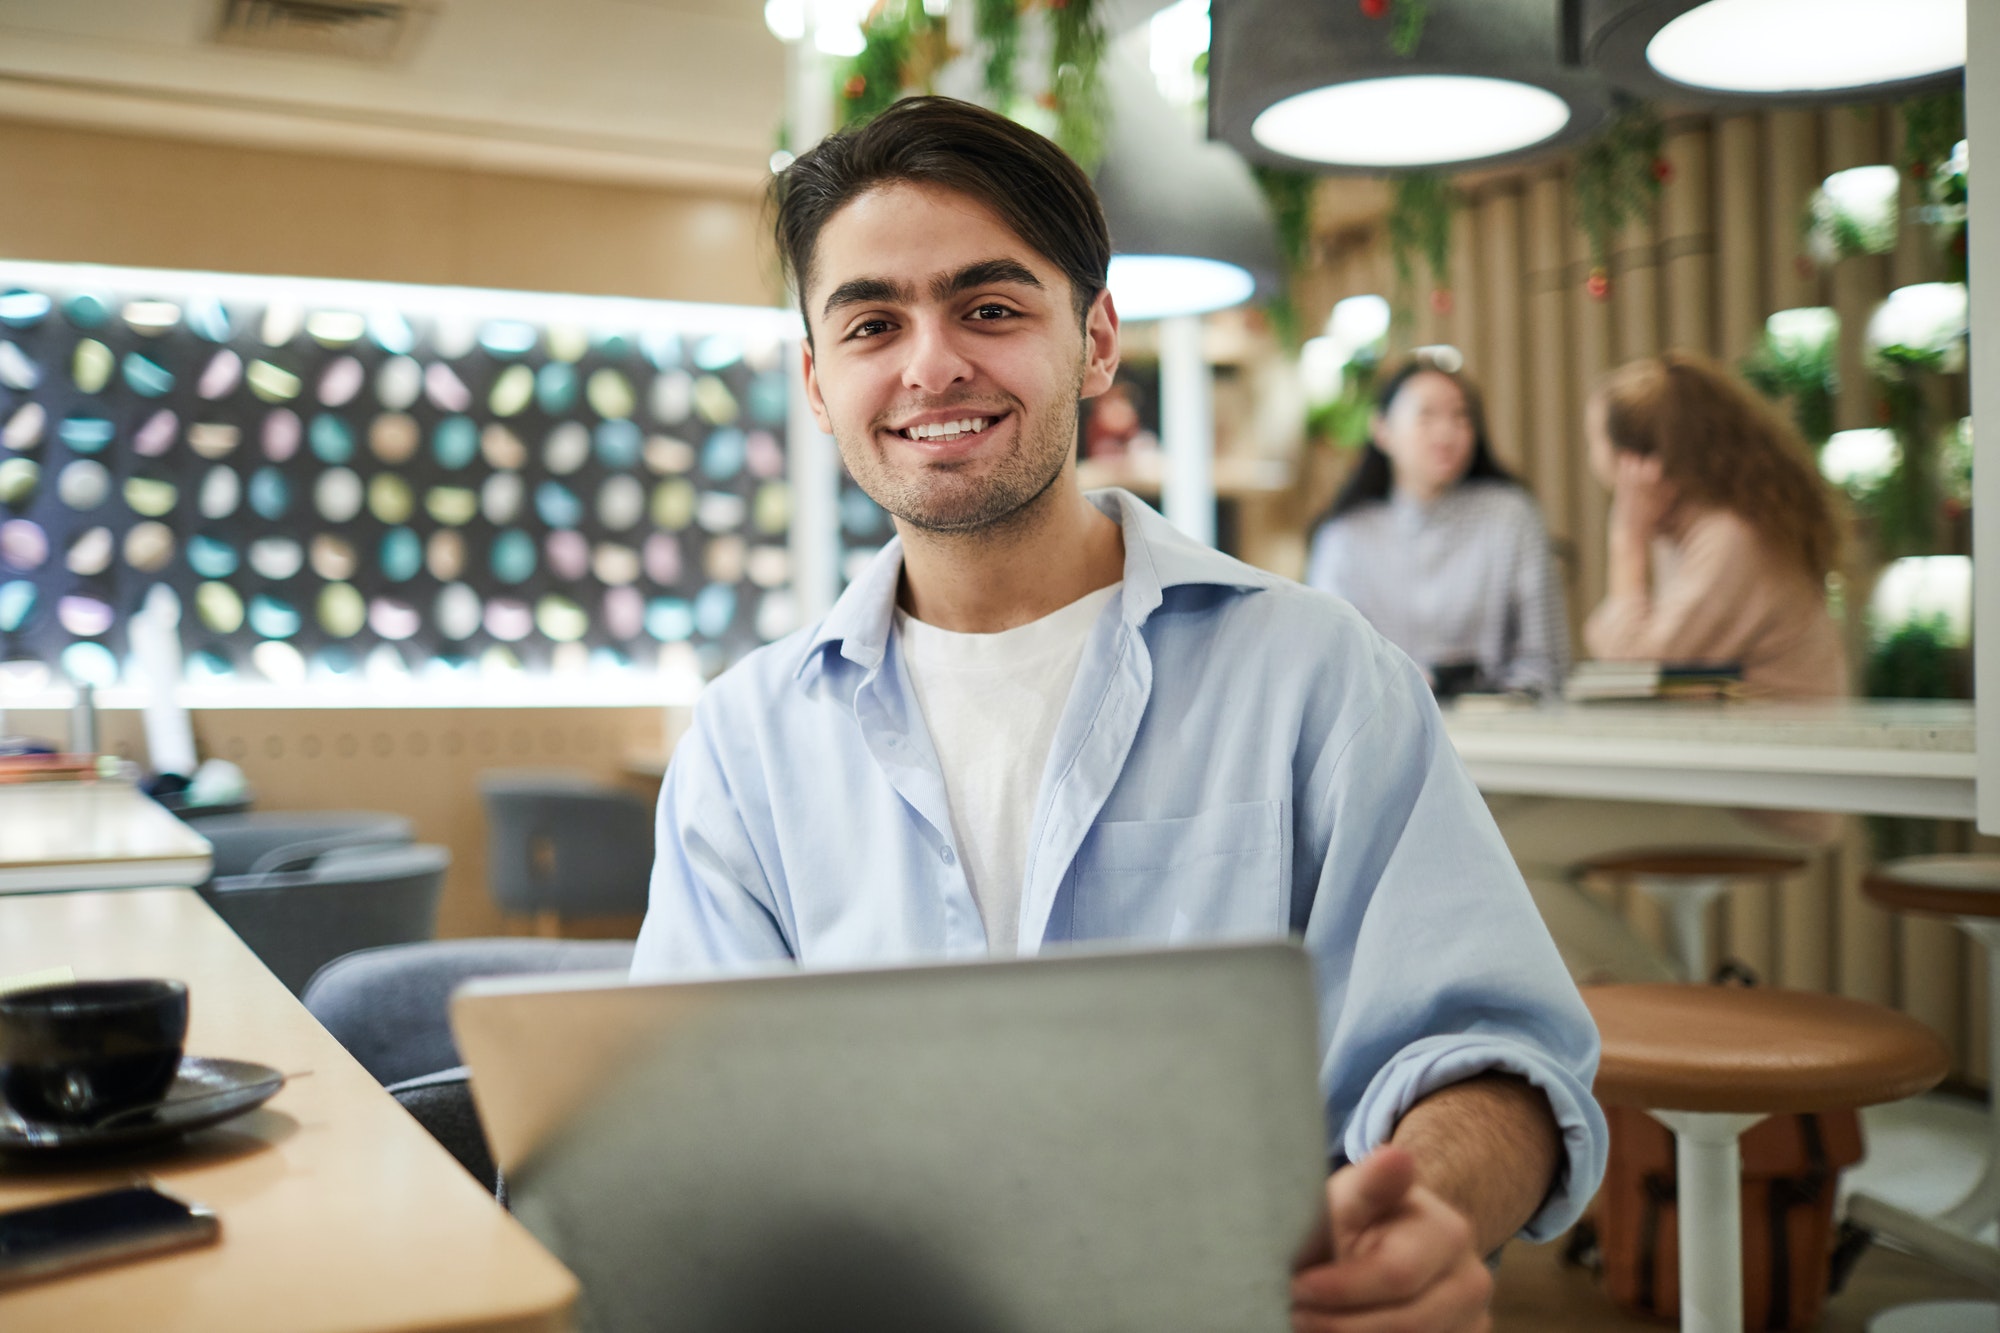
(1411, 120)
(1808, 46)
(1159, 286)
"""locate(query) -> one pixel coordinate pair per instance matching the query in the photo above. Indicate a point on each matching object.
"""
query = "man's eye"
(992, 311)
(869, 328)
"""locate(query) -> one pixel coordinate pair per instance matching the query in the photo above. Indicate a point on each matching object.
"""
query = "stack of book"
(1593, 682)
(47, 767)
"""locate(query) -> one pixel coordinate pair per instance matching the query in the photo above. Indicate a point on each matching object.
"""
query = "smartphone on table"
(87, 1230)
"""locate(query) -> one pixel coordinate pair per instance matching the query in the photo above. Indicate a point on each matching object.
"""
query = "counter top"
(1891, 757)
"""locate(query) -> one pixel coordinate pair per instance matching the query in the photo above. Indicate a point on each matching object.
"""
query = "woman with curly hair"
(1722, 533)
(1721, 538)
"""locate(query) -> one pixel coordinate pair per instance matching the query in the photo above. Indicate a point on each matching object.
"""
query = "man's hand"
(1403, 1259)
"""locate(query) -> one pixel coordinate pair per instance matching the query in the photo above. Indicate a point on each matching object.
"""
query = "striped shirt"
(1467, 578)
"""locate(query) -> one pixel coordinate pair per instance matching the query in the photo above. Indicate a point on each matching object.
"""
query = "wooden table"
(339, 1213)
(93, 835)
(1861, 757)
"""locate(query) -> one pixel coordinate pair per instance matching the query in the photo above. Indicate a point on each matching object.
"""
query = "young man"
(1042, 716)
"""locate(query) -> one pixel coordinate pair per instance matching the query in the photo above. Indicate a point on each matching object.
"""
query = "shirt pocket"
(1217, 875)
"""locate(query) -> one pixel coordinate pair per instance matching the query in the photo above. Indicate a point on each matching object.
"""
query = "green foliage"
(1406, 28)
(895, 41)
(1343, 422)
(1809, 378)
(1932, 127)
(1906, 506)
(1289, 194)
(997, 24)
(1913, 661)
(1419, 228)
(1076, 52)
(1615, 179)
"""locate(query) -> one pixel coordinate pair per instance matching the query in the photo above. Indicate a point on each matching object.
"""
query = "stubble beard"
(970, 499)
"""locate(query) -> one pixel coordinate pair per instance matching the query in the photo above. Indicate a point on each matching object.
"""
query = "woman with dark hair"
(1440, 548)
(1722, 532)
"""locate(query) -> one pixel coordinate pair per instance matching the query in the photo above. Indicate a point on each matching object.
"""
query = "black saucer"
(206, 1091)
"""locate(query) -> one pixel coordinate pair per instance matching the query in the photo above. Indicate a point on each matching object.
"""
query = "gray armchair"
(346, 899)
(559, 845)
(264, 841)
(391, 1009)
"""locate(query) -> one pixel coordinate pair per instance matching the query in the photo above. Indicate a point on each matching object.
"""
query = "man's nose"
(935, 361)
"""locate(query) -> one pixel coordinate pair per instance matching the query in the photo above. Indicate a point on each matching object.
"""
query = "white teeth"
(947, 430)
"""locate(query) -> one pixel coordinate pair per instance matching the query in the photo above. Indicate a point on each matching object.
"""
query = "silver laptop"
(1092, 1143)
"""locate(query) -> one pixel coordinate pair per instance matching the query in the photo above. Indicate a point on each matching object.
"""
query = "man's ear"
(813, 398)
(1100, 345)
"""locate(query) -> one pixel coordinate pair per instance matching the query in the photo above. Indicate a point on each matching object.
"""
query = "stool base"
(1939, 1317)
(1709, 1164)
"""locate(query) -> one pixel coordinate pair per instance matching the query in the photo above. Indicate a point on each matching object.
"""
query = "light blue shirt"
(1241, 757)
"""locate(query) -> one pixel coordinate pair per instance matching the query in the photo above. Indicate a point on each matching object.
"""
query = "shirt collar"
(1158, 556)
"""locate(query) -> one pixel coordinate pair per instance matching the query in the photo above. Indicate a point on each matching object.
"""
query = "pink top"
(1720, 594)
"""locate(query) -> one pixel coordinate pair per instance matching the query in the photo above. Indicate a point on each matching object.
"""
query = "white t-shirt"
(992, 702)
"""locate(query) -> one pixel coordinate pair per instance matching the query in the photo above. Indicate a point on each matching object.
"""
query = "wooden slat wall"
(1719, 256)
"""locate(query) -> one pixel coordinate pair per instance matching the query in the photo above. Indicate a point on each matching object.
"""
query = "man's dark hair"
(1031, 184)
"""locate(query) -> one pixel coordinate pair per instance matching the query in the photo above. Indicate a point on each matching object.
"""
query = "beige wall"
(86, 196)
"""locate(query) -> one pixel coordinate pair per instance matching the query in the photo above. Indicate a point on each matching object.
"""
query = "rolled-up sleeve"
(1434, 964)
(711, 908)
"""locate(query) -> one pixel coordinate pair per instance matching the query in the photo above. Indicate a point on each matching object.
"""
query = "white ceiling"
(684, 92)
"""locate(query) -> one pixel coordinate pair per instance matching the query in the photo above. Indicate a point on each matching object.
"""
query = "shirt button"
(947, 856)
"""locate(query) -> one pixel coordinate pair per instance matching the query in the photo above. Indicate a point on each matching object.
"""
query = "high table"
(93, 835)
(1860, 757)
(340, 1214)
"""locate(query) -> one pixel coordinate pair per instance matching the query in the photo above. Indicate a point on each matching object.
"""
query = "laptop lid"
(1127, 1141)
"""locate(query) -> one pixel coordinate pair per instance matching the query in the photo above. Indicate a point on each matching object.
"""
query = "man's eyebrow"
(866, 291)
(986, 273)
(887, 291)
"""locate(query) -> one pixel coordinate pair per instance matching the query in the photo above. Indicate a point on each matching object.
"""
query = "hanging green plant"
(1419, 228)
(1406, 22)
(1617, 180)
(1932, 126)
(997, 24)
(1289, 194)
(1076, 54)
(1797, 360)
(1342, 421)
(903, 47)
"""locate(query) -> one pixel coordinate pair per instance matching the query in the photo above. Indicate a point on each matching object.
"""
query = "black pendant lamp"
(1316, 83)
(1190, 231)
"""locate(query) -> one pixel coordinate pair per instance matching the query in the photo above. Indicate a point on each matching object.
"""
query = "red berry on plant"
(1598, 284)
(1374, 9)
(1441, 301)
(1663, 170)
(854, 87)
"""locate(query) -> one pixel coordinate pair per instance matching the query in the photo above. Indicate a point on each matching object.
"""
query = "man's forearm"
(1489, 1147)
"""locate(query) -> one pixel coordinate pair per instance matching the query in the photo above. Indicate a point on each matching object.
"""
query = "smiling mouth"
(946, 432)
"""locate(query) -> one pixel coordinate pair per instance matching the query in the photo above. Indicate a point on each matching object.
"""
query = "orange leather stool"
(1708, 1062)
(1684, 881)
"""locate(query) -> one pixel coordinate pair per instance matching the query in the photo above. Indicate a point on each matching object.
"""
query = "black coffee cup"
(75, 1053)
